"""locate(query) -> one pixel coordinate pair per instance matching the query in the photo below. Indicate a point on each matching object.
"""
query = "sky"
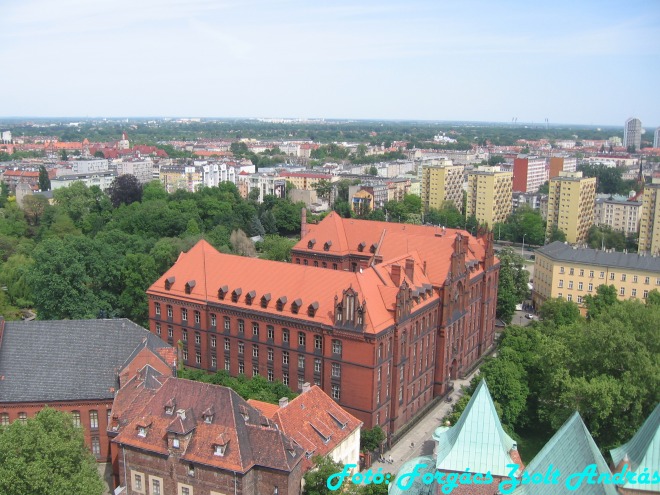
(578, 62)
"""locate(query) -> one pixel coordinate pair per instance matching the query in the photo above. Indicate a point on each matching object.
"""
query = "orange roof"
(212, 270)
(266, 408)
(435, 245)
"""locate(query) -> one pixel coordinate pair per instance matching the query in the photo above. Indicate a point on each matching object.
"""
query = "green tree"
(324, 189)
(556, 234)
(371, 440)
(560, 312)
(605, 296)
(125, 189)
(277, 248)
(513, 283)
(44, 180)
(154, 190)
(317, 478)
(46, 455)
(138, 272)
(653, 298)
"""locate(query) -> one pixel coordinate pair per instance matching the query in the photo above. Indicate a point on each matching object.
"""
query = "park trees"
(125, 189)
(513, 284)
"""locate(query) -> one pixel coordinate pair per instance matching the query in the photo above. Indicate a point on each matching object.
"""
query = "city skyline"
(388, 60)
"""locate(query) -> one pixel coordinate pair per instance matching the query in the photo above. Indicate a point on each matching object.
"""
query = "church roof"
(642, 451)
(477, 441)
(570, 450)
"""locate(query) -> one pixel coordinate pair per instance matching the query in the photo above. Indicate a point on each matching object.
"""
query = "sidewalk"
(420, 434)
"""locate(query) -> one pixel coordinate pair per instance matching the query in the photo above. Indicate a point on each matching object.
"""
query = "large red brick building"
(406, 310)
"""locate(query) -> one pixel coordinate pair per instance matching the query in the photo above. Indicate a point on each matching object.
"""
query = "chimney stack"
(306, 386)
(410, 268)
(284, 401)
(396, 275)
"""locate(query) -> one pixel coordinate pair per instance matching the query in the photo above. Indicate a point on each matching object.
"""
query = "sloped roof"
(211, 270)
(249, 437)
(569, 451)
(43, 361)
(587, 256)
(642, 451)
(434, 245)
(477, 440)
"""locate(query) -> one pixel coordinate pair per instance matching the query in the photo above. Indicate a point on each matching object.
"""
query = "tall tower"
(649, 235)
(656, 138)
(442, 183)
(489, 195)
(632, 134)
(571, 205)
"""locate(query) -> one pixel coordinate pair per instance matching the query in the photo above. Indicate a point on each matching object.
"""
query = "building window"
(76, 419)
(633, 293)
(301, 362)
(175, 443)
(646, 294)
(96, 447)
(241, 348)
(336, 392)
(317, 365)
(198, 338)
(285, 335)
(579, 299)
(270, 354)
(634, 279)
(158, 329)
(198, 357)
(241, 326)
(184, 314)
(561, 283)
(170, 311)
(185, 355)
(227, 364)
(185, 490)
(612, 274)
(255, 350)
(318, 342)
(560, 295)
(590, 287)
(570, 284)
(579, 285)
(301, 382)
(285, 378)
(569, 297)
(591, 274)
(155, 487)
(601, 275)
(301, 339)
(285, 357)
(241, 368)
(336, 347)
(227, 323)
(4, 420)
(622, 291)
(170, 331)
(198, 317)
(581, 272)
(22, 417)
(94, 420)
(334, 266)
(137, 482)
(623, 277)
(271, 375)
(336, 370)
(379, 373)
(213, 341)
(157, 308)
(647, 280)
(184, 335)
(214, 362)
(255, 370)
(214, 320)
(255, 329)
(571, 271)
(227, 345)
(270, 332)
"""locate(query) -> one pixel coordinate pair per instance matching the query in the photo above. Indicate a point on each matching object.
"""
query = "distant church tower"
(123, 143)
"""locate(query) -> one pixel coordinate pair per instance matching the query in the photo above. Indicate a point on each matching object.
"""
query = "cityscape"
(288, 248)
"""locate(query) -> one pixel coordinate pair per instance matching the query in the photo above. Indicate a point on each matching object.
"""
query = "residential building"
(572, 272)
(656, 138)
(618, 214)
(13, 177)
(316, 423)
(85, 166)
(489, 195)
(649, 223)
(632, 134)
(442, 183)
(74, 366)
(5, 137)
(175, 436)
(529, 172)
(571, 202)
(141, 169)
(100, 179)
(298, 323)
(561, 164)
(305, 180)
(265, 183)
(362, 202)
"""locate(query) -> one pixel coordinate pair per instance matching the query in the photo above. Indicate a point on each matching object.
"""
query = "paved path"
(420, 434)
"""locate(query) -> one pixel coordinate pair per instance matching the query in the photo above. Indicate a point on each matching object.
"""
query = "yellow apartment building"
(561, 270)
(442, 183)
(571, 201)
(489, 195)
(649, 236)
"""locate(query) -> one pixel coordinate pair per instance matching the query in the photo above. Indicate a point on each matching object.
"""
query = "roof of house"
(435, 245)
(313, 420)
(586, 256)
(297, 286)
(642, 451)
(477, 440)
(67, 359)
(205, 416)
(570, 450)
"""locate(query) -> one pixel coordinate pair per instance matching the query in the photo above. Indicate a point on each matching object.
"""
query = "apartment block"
(570, 272)
(649, 236)
(442, 183)
(489, 195)
(632, 134)
(561, 164)
(571, 205)
(529, 172)
(620, 215)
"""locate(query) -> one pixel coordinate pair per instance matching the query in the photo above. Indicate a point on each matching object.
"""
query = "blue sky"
(582, 62)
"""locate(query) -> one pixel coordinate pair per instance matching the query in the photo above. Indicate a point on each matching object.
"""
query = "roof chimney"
(306, 386)
(181, 413)
(303, 223)
(284, 401)
(396, 275)
(410, 268)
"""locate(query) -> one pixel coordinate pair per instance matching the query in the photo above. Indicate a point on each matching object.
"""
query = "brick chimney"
(284, 401)
(306, 386)
(396, 275)
(410, 268)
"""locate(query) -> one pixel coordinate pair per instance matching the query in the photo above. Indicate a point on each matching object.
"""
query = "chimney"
(181, 413)
(306, 386)
(410, 268)
(284, 401)
(424, 267)
(303, 223)
(396, 275)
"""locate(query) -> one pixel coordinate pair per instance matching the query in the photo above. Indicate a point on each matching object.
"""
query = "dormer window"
(142, 431)
(222, 292)
(169, 407)
(281, 302)
(190, 285)
(244, 412)
(175, 443)
(236, 294)
(310, 244)
(169, 410)
(208, 416)
(191, 470)
(249, 297)
(361, 246)
(326, 246)
(169, 282)
(295, 306)
(312, 309)
(219, 449)
(265, 299)
(373, 247)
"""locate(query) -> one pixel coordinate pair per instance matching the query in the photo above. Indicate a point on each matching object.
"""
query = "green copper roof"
(570, 450)
(417, 487)
(643, 450)
(477, 440)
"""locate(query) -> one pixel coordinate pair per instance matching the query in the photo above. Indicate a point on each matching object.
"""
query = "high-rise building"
(442, 183)
(649, 236)
(561, 164)
(571, 202)
(656, 138)
(529, 173)
(632, 134)
(489, 195)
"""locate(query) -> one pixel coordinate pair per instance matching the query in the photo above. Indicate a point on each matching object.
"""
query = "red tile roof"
(212, 270)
